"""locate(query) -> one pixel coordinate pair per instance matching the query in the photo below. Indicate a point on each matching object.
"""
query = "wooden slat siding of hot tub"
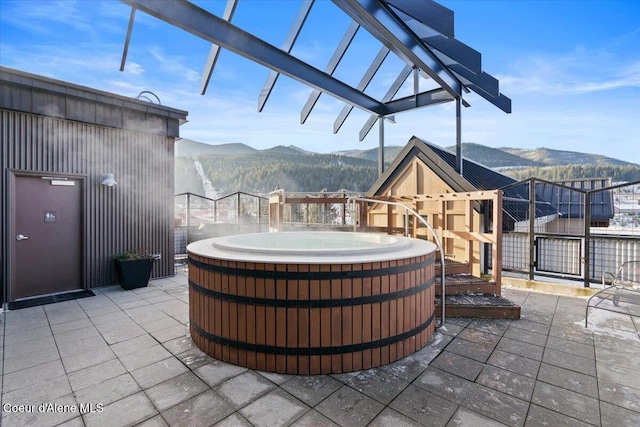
(242, 316)
(282, 325)
(406, 313)
(346, 287)
(208, 307)
(376, 285)
(417, 307)
(357, 332)
(336, 318)
(233, 315)
(197, 300)
(226, 306)
(393, 287)
(293, 327)
(260, 325)
(251, 318)
(412, 310)
(270, 315)
(385, 356)
(325, 320)
(303, 324)
(406, 310)
(378, 315)
(366, 319)
(315, 325)
(401, 280)
(217, 286)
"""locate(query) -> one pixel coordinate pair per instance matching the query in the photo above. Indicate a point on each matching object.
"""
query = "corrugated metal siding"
(135, 214)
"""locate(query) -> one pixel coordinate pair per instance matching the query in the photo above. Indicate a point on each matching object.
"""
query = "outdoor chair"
(621, 292)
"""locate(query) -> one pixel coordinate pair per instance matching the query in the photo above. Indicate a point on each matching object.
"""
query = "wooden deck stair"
(470, 296)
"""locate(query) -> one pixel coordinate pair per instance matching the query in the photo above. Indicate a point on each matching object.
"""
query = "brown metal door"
(47, 241)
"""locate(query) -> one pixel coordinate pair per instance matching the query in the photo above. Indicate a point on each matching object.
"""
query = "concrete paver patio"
(125, 358)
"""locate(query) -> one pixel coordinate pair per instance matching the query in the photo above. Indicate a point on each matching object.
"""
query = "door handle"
(21, 237)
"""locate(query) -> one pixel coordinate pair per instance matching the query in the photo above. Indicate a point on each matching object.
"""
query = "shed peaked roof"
(442, 162)
(476, 177)
(419, 33)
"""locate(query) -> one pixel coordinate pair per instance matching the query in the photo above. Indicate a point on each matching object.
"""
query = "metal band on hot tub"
(311, 275)
(312, 303)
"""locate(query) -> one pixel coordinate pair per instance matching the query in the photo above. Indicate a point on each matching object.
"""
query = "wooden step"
(485, 306)
(452, 267)
(462, 284)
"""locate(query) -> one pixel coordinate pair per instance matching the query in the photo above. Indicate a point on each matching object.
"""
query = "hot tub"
(311, 302)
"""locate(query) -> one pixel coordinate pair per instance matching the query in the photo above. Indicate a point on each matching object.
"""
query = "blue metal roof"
(515, 201)
(570, 203)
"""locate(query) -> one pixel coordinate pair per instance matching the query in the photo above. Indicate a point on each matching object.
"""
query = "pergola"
(419, 32)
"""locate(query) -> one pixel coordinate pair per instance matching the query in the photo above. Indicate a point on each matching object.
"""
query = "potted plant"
(133, 268)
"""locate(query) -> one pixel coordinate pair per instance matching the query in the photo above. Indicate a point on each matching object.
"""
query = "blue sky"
(571, 68)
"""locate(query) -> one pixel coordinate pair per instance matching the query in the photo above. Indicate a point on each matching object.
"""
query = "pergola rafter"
(418, 32)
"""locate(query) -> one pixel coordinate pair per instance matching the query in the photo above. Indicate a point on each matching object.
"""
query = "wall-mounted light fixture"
(108, 180)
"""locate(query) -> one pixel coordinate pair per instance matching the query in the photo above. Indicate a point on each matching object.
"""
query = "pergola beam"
(362, 85)
(424, 99)
(214, 52)
(487, 82)
(376, 17)
(428, 13)
(208, 26)
(395, 87)
(331, 67)
(294, 32)
(456, 51)
(127, 39)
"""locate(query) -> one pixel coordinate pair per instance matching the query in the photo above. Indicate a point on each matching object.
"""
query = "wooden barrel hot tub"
(267, 301)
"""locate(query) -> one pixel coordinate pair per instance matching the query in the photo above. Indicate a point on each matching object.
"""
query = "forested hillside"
(264, 171)
(492, 157)
(390, 153)
(559, 173)
(238, 167)
(549, 157)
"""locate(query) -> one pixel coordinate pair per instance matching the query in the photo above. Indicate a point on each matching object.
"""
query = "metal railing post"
(406, 222)
(532, 230)
(587, 239)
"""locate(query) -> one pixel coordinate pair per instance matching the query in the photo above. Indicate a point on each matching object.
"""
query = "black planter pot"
(134, 273)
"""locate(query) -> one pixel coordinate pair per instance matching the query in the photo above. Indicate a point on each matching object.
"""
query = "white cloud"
(579, 72)
(40, 15)
(175, 65)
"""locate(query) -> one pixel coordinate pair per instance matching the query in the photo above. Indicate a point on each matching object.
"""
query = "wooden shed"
(465, 212)
(420, 170)
(60, 222)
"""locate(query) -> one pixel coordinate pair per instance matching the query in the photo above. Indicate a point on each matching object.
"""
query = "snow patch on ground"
(618, 325)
